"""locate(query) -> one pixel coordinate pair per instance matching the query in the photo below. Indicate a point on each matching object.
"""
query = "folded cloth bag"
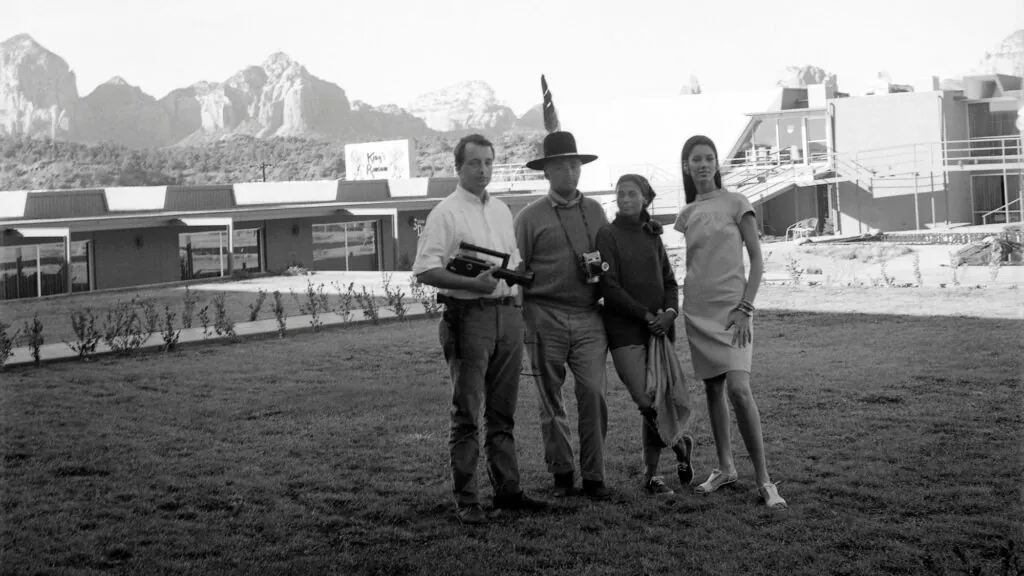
(667, 387)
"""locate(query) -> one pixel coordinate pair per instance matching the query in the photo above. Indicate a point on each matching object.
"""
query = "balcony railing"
(516, 177)
(973, 154)
(865, 166)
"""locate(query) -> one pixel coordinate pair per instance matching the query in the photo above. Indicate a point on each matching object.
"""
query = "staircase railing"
(1005, 208)
(655, 173)
(783, 176)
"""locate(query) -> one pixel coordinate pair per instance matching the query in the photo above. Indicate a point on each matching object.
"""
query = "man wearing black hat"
(557, 238)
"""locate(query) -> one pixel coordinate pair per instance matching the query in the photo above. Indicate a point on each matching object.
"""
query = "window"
(204, 254)
(346, 246)
(36, 270)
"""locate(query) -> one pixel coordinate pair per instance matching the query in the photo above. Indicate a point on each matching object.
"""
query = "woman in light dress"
(718, 309)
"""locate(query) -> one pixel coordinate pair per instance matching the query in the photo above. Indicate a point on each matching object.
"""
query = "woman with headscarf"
(718, 309)
(641, 298)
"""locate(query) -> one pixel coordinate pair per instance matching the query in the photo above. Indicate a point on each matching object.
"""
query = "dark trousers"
(484, 361)
(556, 338)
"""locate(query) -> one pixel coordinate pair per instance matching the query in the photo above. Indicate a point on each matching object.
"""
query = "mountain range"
(279, 98)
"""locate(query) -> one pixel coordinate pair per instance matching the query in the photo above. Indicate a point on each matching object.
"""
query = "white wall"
(652, 130)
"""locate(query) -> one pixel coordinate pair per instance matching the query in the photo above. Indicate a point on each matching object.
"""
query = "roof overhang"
(33, 232)
(198, 222)
(222, 218)
(789, 113)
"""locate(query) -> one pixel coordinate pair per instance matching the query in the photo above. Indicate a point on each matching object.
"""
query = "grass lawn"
(894, 437)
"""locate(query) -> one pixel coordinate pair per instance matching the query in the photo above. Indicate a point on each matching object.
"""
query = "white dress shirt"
(464, 217)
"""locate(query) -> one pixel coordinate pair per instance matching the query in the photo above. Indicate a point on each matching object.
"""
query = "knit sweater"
(545, 250)
(639, 279)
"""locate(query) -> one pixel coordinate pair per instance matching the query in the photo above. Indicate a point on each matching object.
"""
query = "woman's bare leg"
(749, 421)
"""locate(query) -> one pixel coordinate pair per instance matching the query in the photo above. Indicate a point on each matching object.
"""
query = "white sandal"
(715, 481)
(770, 493)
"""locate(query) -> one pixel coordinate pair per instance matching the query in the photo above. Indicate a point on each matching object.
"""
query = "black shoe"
(684, 469)
(596, 490)
(565, 485)
(518, 501)
(471, 514)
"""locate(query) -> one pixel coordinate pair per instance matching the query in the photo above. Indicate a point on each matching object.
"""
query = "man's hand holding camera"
(485, 282)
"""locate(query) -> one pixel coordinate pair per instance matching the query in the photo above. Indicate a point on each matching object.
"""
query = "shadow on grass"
(894, 438)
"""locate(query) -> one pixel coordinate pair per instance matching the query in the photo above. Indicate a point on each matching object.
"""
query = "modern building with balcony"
(838, 164)
(881, 162)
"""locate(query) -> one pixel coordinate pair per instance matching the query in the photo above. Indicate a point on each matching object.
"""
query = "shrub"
(954, 268)
(151, 318)
(169, 334)
(917, 270)
(315, 304)
(425, 295)
(346, 298)
(122, 329)
(204, 320)
(888, 280)
(254, 308)
(395, 297)
(87, 336)
(368, 303)
(34, 335)
(223, 325)
(279, 314)
(188, 308)
(995, 261)
(794, 269)
(7, 342)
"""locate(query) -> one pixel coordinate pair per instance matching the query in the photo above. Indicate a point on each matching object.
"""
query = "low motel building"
(881, 162)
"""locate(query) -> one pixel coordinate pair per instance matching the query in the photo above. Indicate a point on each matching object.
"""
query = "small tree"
(34, 334)
(7, 342)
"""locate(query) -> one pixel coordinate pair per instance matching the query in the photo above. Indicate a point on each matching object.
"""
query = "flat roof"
(789, 112)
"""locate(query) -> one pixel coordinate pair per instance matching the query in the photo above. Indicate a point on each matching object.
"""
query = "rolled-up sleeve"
(680, 224)
(434, 243)
(741, 207)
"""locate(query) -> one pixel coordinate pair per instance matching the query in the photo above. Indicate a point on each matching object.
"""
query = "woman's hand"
(662, 323)
(740, 325)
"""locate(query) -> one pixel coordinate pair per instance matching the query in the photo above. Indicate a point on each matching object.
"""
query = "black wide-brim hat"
(559, 145)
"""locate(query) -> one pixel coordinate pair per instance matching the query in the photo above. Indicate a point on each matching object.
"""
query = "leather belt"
(481, 302)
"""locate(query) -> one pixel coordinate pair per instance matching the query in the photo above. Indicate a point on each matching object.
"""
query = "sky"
(389, 51)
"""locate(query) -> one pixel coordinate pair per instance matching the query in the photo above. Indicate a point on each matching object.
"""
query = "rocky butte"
(280, 97)
(38, 91)
(468, 105)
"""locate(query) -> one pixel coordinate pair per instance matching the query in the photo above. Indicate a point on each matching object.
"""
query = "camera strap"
(586, 227)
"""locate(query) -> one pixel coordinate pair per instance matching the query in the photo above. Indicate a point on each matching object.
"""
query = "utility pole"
(263, 167)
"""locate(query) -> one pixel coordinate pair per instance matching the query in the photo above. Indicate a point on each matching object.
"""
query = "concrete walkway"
(194, 336)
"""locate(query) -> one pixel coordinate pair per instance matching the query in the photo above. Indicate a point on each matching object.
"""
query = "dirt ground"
(850, 265)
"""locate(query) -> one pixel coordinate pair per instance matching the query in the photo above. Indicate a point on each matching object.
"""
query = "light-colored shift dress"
(715, 280)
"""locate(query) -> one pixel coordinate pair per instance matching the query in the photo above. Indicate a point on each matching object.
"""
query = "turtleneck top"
(639, 279)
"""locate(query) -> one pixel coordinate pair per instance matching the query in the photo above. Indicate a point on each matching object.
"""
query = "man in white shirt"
(481, 332)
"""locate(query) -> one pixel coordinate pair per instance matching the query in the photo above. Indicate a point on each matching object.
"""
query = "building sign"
(390, 160)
